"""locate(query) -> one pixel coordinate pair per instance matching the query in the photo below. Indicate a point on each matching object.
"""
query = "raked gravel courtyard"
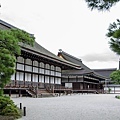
(71, 107)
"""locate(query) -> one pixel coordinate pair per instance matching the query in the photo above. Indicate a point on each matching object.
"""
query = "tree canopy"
(101, 4)
(9, 48)
(114, 35)
(113, 31)
(115, 76)
(114, 28)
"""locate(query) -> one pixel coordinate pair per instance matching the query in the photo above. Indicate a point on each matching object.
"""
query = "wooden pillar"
(54, 74)
(52, 89)
(49, 74)
(15, 81)
(32, 75)
(40, 71)
(76, 78)
(36, 91)
(44, 74)
(83, 83)
(10, 92)
(24, 72)
(19, 93)
(68, 79)
(100, 87)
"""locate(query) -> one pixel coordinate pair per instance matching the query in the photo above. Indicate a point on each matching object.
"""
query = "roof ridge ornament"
(60, 50)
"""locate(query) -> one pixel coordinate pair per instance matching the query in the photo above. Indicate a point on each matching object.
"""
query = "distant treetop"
(101, 5)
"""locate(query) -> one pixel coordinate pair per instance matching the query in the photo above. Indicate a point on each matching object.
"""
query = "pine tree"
(101, 4)
(10, 47)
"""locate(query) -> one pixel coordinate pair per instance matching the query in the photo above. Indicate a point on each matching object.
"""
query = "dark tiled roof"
(39, 50)
(105, 72)
(75, 60)
(7, 24)
(84, 69)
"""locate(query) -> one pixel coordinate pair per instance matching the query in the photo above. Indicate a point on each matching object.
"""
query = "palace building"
(38, 69)
(83, 80)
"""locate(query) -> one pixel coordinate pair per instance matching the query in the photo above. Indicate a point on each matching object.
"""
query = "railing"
(88, 90)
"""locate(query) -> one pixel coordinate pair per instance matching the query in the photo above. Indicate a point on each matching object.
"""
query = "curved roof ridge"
(41, 50)
(71, 56)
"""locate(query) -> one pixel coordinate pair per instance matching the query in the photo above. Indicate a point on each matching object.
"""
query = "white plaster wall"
(27, 77)
(46, 79)
(52, 72)
(35, 63)
(13, 77)
(42, 64)
(28, 61)
(35, 78)
(20, 59)
(58, 74)
(20, 66)
(41, 70)
(42, 79)
(117, 89)
(47, 72)
(57, 80)
(17, 76)
(58, 69)
(28, 68)
(21, 76)
(52, 67)
(35, 69)
(68, 85)
(52, 80)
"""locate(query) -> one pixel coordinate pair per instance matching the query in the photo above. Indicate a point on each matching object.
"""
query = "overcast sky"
(65, 24)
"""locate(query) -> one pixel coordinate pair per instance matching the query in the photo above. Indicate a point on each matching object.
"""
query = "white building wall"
(37, 68)
(21, 76)
(28, 61)
(20, 59)
(46, 79)
(28, 68)
(17, 75)
(68, 85)
(52, 72)
(20, 66)
(35, 78)
(42, 79)
(35, 63)
(13, 77)
(52, 80)
(41, 70)
(57, 80)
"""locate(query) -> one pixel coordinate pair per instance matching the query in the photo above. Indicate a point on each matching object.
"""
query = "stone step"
(45, 95)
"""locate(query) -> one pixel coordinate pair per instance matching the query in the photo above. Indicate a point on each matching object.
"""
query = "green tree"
(114, 28)
(10, 47)
(101, 4)
(115, 76)
(113, 31)
(114, 35)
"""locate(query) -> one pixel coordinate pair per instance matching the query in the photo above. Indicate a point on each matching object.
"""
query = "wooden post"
(9, 92)
(24, 111)
(53, 89)
(19, 93)
(20, 105)
(114, 89)
(36, 91)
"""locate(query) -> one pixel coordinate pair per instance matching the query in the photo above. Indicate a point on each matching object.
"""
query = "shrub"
(109, 90)
(8, 108)
(118, 97)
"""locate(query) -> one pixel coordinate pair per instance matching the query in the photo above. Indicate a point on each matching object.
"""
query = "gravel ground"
(74, 107)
